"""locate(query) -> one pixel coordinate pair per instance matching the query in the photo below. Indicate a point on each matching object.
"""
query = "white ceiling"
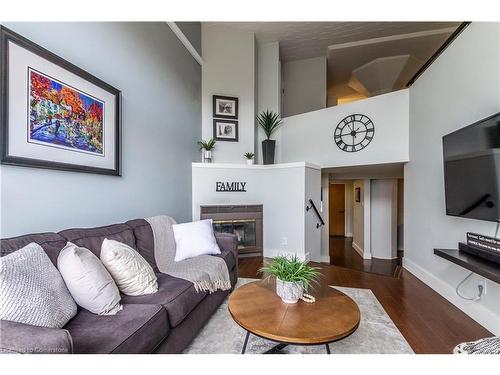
(390, 170)
(301, 40)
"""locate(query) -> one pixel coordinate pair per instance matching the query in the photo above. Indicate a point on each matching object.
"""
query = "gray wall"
(161, 87)
(462, 86)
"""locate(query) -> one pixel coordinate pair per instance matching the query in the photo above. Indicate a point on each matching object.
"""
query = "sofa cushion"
(51, 243)
(144, 240)
(25, 338)
(135, 329)
(178, 296)
(92, 238)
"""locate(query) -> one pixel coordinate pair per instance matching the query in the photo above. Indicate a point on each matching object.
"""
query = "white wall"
(304, 84)
(229, 70)
(325, 230)
(268, 89)
(459, 88)
(160, 83)
(384, 201)
(309, 136)
(358, 224)
(312, 237)
(282, 189)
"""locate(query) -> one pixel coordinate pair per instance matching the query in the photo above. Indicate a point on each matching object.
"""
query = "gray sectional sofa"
(163, 322)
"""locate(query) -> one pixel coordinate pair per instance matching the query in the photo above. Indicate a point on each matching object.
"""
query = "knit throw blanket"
(208, 273)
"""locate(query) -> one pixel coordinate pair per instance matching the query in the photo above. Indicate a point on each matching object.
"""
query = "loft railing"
(313, 207)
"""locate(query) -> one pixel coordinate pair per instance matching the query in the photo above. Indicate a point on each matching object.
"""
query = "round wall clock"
(354, 133)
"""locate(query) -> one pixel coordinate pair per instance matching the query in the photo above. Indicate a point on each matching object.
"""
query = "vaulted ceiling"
(302, 40)
(364, 58)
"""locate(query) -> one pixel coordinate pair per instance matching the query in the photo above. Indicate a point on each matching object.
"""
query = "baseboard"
(360, 251)
(348, 235)
(273, 253)
(325, 259)
(477, 312)
(383, 258)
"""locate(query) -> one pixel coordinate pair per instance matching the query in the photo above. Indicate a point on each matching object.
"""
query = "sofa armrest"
(24, 338)
(229, 242)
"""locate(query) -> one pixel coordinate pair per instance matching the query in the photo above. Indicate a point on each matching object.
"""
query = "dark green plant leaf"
(292, 269)
(269, 121)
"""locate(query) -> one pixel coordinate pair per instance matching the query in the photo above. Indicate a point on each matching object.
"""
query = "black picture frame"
(217, 114)
(223, 139)
(357, 194)
(6, 36)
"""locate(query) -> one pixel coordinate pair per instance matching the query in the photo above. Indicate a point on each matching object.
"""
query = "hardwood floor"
(342, 254)
(429, 323)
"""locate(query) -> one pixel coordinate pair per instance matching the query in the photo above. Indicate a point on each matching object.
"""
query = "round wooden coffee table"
(257, 308)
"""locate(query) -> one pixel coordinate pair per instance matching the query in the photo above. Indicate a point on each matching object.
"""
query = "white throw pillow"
(88, 281)
(132, 273)
(194, 239)
(32, 291)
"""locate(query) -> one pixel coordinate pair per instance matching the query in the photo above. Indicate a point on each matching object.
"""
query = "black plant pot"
(268, 147)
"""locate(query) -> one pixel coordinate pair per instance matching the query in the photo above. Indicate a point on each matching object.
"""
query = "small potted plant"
(293, 277)
(269, 121)
(207, 147)
(249, 156)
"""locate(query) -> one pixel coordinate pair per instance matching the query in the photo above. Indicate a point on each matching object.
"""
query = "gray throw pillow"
(32, 290)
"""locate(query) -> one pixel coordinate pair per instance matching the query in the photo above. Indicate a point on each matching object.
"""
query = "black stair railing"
(313, 207)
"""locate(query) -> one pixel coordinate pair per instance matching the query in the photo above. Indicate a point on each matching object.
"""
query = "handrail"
(313, 206)
(440, 50)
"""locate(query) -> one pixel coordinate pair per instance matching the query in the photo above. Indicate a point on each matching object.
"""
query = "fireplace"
(243, 220)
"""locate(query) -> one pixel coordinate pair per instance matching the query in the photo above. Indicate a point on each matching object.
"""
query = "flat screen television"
(472, 170)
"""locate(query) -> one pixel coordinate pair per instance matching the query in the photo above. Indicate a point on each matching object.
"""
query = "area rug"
(376, 333)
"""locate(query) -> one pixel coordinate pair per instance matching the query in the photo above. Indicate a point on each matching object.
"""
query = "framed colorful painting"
(54, 114)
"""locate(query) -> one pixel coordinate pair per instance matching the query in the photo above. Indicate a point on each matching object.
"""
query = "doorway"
(361, 211)
(336, 197)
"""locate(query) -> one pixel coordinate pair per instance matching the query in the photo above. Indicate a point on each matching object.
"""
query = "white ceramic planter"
(289, 292)
(250, 161)
(207, 156)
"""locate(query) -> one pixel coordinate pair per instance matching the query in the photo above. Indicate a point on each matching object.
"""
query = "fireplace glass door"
(244, 230)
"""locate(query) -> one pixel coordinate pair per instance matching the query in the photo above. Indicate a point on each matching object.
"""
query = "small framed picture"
(226, 130)
(358, 194)
(225, 107)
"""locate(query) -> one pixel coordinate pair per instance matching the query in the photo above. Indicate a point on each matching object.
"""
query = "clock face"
(354, 133)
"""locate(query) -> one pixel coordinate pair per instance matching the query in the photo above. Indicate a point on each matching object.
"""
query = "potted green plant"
(249, 156)
(269, 121)
(293, 277)
(207, 147)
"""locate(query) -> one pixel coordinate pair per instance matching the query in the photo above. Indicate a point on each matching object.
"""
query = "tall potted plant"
(293, 277)
(207, 147)
(269, 121)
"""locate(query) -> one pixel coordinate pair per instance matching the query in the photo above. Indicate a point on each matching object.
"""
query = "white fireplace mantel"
(284, 191)
(302, 164)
